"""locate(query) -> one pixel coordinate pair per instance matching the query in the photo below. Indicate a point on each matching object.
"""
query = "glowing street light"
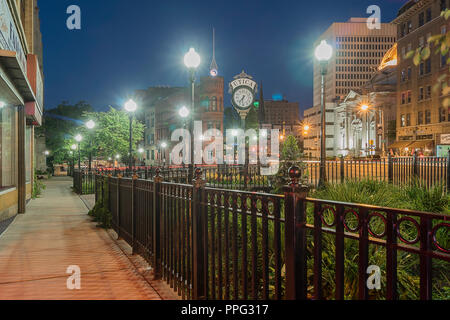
(90, 124)
(47, 153)
(192, 59)
(2, 104)
(130, 106)
(323, 54)
(184, 112)
(324, 51)
(78, 138)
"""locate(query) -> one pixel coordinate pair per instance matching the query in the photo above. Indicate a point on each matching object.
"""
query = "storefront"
(21, 92)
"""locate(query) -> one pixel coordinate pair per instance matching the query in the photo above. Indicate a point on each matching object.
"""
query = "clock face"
(243, 98)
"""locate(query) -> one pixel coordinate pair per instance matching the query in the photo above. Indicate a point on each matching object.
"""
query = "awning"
(9, 62)
(420, 144)
(400, 144)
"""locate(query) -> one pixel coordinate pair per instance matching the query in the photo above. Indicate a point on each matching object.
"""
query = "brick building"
(423, 122)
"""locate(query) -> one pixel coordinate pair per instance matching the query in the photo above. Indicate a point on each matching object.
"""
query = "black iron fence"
(210, 243)
(426, 171)
(84, 182)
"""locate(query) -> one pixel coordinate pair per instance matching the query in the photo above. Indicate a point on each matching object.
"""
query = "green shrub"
(413, 197)
(38, 187)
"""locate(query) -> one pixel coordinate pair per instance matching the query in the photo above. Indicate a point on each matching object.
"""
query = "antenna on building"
(214, 69)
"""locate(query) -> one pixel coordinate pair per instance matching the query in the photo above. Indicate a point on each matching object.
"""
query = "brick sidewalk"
(54, 234)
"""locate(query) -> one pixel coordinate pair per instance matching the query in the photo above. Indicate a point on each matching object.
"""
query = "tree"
(290, 156)
(60, 125)
(111, 134)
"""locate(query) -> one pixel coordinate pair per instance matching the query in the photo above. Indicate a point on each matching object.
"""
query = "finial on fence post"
(158, 177)
(295, 175)
(198, 181)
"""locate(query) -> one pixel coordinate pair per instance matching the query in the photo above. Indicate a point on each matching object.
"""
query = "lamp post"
(131, 107)
(184, 114)
(365, 109)
(90, 125)
(192, 61)
(163, 147)
(79, 138)
(74, 148)
(323, 54)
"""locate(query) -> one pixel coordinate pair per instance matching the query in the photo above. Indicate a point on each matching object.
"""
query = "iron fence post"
(157, 180)
(390, 169)
(415, 166)
(448, 172)
(342, 169)
(198, 237)
(118, 207)
(295, 237)
(133, 213)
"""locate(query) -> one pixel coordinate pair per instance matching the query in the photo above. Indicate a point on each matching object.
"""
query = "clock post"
(243, 90)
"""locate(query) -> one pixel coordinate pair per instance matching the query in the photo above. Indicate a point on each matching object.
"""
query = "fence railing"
(84, 182)
(219, 244)
(427, 171)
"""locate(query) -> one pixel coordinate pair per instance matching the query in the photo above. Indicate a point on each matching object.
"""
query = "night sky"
(126, 45)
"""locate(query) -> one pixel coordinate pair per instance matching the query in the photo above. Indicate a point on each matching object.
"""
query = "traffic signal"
(256, 104)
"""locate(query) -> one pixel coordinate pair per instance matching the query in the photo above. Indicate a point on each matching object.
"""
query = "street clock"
(243, 91)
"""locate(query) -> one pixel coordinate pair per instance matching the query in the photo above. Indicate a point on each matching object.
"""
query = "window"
(420, 117)
(421, 94)
(408, 120)
(403, 75)
(428, 66)
(421, 19)
(214, 103)
(427, 116)
(421, 69)
(403, 121)
(428, 92)
(429, 14)
(409, 73)
(442, 114)
(421, 42)
(403, 97)
(7, 147)
(443, 5)
(409, 94)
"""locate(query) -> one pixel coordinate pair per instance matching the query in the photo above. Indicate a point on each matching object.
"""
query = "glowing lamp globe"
(74, 147)
(184, 112)
(214, 73)
(2, 104)
(130, 106)
(141, 150)
(78, 138)
(364, 107)
(306, 127)
(164, 145)
(90, 124)
(324, 51)
(192, 59)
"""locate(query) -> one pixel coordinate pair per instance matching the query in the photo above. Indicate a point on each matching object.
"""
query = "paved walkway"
(54, 234)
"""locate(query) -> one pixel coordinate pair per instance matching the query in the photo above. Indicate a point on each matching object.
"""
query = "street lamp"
(323, 54)
(79, 138)
(192, 61)
(131, 107)
(90, 125)
(74, 148)
(2, 104)
(184, 112)
(164, 146)
(365, 109)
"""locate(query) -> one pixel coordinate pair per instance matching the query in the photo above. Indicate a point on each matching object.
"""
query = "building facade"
(281, 112)
(363, 124)
(161, 112)
(21, 101)
(358, 51)
(423, 121)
